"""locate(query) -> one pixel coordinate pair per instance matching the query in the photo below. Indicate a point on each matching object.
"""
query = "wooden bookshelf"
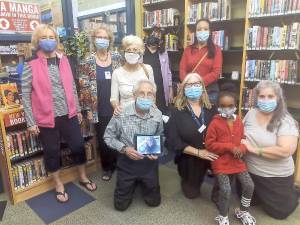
(44, 183)
(234, 59)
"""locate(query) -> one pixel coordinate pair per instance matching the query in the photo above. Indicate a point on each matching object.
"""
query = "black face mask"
(153, 41)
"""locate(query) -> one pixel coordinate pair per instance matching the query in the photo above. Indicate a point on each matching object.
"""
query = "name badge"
(202, 128)
(165, 118)
(107, 75)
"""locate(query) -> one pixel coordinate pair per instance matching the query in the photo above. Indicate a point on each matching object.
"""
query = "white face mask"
(132, 58)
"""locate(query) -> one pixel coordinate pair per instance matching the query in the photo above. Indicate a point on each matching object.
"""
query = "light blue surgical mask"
(144, 104)
(48, 45)
(267, 106)
(193, 93)
(101, 43)
(202, 36)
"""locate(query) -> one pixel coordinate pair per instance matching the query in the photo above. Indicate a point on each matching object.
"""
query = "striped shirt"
(58, 93)
(122, 129)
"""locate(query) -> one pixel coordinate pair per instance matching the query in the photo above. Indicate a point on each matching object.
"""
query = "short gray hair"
(133, 40)
(138, 85)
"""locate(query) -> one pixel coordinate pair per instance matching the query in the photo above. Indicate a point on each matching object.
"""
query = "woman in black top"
(186, 134)
(156, 56)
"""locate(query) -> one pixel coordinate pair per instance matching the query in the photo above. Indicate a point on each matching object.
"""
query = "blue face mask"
(48, 45)
(202, 35)
(101, 43)
(267, 106)
(193, 93)
(144, 103)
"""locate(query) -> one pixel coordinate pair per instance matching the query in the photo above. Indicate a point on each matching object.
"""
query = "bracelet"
(260, 151)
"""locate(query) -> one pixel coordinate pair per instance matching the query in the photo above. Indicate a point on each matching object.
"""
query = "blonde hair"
(36, 35)
(181, 100)
(133, 40)
(109, 32)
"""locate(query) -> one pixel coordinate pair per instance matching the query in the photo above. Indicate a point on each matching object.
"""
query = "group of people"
(127, 94)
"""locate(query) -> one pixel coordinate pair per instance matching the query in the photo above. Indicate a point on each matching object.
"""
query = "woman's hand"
(89, 115)
(171, 96)
(118, 110)
(237, 153)
(34, 130)
(133, 154)
(79, 116)
(152, 157)
(249, 147)
(204, 154)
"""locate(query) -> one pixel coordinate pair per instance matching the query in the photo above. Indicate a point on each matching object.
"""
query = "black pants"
(192, 171)
(130, 173)
(108, 156)
(276, 195)
(69, 130)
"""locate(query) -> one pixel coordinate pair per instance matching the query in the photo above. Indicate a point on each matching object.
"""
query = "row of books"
(171, 42)
(273, 7)
(161, 18)
(27, 173)
(219, 10)
(219, 37)
(283, 71)
(274, 38)
(248, 98)
(153, 1)
(22, 143)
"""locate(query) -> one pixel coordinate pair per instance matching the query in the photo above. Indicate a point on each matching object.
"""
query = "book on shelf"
(274, 38)
(219, 10)
(248, 98)
(14, 118)
(161, 18)
(171, 42)
(282, 71)
(145, 2)
(21, 144)
(27, 173)
(273, 7)
(219, 38)
(9, 95)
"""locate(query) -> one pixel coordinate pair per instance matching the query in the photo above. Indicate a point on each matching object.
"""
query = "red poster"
(12, 119)
(18, 17)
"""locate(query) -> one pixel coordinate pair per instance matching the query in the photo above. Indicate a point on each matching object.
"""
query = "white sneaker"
(222, 220)
(245, 217)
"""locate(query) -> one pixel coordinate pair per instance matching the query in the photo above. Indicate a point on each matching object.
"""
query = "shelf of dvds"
(22, 166)
(273, 28)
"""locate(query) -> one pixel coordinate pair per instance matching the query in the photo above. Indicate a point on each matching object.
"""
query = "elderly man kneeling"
(138, 118)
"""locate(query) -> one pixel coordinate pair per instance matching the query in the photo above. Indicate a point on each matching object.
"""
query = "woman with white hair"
(186, 131)
(95, 87)
(125, 77)
(271, 140)
(51, 107)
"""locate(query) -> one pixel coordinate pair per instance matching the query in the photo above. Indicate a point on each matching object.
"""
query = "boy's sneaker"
(222, 220)
(245, 217)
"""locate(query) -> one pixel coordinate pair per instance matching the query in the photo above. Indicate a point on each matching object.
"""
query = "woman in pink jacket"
(51, 107)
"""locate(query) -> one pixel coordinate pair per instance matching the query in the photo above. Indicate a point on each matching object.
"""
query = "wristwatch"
(123, 149)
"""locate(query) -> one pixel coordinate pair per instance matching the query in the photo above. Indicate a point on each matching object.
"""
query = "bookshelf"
(21, 160)
(239, 16)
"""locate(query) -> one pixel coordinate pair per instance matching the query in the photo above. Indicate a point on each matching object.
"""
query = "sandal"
(106, 175)
(85, 185)
(57, 193)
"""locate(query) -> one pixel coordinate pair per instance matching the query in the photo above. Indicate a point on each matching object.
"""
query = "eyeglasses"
(196, 84)
(146, 95)
(107, 38)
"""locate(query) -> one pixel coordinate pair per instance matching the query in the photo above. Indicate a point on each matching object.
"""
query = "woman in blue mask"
(95, 75)
(203, 57)
(186, 131)
(52, 108)
(271, 139)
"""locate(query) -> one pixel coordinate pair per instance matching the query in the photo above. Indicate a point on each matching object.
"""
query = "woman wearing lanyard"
(186, 133)
(204, 58)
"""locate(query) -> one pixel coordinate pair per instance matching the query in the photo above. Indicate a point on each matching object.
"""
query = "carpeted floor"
(174, 210)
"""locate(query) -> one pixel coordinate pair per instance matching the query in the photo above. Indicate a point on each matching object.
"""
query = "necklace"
(103, 59)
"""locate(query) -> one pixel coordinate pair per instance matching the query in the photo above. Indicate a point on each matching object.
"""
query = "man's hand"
(152, 157)
(34, 130)
(133, 154)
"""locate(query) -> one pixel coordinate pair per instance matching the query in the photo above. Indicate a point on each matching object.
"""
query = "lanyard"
(195, 117)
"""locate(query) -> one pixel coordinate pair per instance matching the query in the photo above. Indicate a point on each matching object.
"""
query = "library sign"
(18, 17)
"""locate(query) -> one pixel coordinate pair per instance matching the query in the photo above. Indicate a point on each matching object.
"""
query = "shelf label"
(15, 118)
